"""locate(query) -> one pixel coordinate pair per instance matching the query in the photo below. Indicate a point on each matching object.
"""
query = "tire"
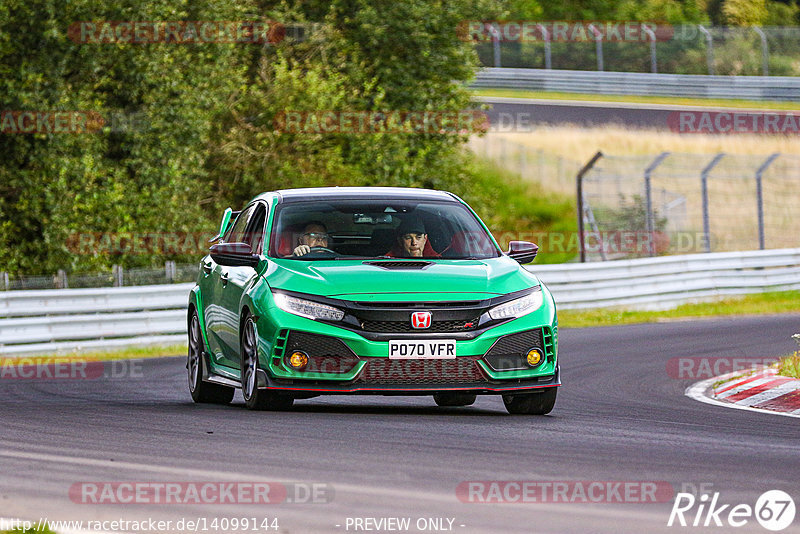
(454, 399)
(531, 403)
(202, 392)
(254, 398)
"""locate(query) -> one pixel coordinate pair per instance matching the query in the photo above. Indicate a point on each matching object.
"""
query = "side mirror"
(228, 216)
(522, 251)
(234, 255)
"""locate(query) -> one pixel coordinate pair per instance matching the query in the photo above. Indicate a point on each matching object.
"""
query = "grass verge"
(44, 530)
(759, 304)
(790, 365)
(516, 210)
(127, 353)
(635, 99)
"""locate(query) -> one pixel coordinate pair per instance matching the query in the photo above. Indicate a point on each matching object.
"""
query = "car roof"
(378, 193)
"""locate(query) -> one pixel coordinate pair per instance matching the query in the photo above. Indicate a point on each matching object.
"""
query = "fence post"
(652, 35)
(709, 49)
(704, 184)
(548, 60)
(4, 280)
(764, 51)
(760, 198)
(170, 271)
(598, 44)
(579, 187)
(116, 273)
(495, 44)
(649, 222)
(61, 279)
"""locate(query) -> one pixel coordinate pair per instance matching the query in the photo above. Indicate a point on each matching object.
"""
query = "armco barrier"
(36, 322)
(646, 84)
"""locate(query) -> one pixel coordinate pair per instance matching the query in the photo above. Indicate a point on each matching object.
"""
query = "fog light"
(534, 357)
(298, 360)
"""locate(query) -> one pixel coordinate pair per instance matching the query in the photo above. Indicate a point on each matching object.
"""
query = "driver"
(314, 235)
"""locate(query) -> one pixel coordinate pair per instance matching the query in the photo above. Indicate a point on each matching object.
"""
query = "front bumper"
(480, 388)
(348, 362)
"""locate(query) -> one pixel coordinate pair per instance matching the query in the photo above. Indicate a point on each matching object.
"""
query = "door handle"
(224, 277)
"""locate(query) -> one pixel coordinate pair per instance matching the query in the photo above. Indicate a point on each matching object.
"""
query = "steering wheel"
(317, 250)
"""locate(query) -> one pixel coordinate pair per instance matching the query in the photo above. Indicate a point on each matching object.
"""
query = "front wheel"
(537, 403)
(254, 398)
(202, 392)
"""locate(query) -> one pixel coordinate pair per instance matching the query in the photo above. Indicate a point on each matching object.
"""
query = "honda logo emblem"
(420, 320)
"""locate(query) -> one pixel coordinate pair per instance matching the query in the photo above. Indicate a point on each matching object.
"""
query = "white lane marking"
(615, 105)
(698, 390)
(745, 387)
(771, 393)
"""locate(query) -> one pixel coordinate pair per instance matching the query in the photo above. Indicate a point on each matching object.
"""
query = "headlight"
(517, 307)
(307, 308)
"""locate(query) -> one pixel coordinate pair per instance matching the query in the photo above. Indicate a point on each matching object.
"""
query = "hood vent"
(400, 264)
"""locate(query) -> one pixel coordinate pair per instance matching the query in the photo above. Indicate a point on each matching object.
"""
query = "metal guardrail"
(630, 83)
(38, 322)
(667, 281)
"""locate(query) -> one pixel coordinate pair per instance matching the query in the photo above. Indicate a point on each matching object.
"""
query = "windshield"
(368, 229)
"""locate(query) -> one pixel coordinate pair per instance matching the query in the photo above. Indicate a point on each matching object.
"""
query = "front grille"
(325, 354)
(405, 326)
(509, 352)
(457, 371)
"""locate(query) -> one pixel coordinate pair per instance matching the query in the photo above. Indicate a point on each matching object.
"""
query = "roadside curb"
(763, 391)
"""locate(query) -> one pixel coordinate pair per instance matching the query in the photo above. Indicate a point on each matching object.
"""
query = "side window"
(254, 234)
(237, 233)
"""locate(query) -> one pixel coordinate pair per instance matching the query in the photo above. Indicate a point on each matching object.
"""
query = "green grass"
(790, 365)
(44, 530)
(759, 304)
(715, 102)
(515, 209)
(128, 353)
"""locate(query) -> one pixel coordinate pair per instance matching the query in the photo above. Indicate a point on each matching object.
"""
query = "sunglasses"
(315, 235)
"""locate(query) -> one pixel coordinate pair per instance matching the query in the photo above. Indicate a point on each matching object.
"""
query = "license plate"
(429, 349)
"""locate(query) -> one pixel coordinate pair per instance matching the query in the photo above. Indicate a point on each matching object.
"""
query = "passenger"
(412, 241)
(314, 235)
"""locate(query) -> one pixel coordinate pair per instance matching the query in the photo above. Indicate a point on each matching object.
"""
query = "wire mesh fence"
(688, 203)
(668, 203)
(679, 49)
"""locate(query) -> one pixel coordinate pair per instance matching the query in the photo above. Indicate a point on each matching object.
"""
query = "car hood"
(460, 279)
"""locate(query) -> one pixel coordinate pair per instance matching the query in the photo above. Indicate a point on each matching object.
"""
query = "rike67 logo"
(774, 510)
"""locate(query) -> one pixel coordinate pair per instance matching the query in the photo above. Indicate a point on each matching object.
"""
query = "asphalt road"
(619, 417)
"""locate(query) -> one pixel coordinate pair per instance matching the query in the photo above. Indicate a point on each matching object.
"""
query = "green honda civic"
(374, 290)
